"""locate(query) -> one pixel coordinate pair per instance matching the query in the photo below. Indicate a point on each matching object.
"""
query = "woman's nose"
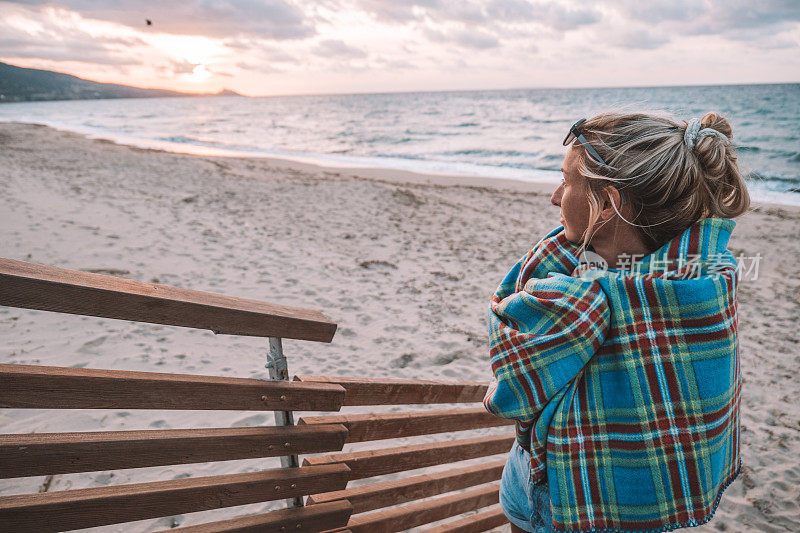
(555, 199)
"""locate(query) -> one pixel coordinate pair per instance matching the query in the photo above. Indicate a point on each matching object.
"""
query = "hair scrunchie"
(694, 133)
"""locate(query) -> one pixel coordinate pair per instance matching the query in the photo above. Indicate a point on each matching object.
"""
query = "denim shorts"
(525, 504)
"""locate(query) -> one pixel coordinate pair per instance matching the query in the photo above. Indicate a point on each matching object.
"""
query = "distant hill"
(19, 84)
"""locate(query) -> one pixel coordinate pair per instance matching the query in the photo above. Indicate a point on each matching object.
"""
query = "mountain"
(19, 84)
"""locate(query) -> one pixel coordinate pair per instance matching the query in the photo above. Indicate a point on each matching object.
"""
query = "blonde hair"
(669, 185)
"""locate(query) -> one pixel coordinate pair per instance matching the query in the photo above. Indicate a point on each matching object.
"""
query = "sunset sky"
(297, 47)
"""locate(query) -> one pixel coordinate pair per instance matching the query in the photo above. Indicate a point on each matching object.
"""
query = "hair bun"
(718, 160)
(715, 121)
(715, 152)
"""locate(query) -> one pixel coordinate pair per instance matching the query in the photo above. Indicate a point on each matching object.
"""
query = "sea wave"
(491, 153)
(183, 140)
(771, 178)
(511, 134)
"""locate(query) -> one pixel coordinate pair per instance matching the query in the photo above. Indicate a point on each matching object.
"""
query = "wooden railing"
(332, 505)
(50, 288)
(23, 386)
(391, 458)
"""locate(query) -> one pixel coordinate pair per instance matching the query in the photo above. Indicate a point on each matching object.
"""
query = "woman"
(624, 379)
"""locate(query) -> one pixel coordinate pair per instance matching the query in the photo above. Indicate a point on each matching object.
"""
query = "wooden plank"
(370, 426)
(304, 519)
(74, 509)
(43, 387)
(387, 493)
(425, 512)
(59, 453)
(48, 288)
(386, 461)
(366, 391)
(483, 521)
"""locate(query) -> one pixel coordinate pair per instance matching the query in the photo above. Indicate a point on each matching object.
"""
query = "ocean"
(513, 134)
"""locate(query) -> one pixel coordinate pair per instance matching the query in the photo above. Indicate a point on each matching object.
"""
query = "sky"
(275, 47)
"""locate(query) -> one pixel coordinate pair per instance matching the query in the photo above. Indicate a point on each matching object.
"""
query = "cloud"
(764, 38)
(465, 12)
(400, 64)
(639, 39)
(395, 64)
(337, 48)
(269, 19)
(471, 12)
(741, 14)
(722, 17)
(82, 52)
(50, 39)
(479, 25)
(511, 10)
(656, 13)
(649, 25)
(435, 35)
(261, 50)
(476, 39)
(564, 19)
(258, 68)
(183, 67)
(394, 11)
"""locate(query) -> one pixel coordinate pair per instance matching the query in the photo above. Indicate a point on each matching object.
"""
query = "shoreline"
(323, 161)
(311, 164)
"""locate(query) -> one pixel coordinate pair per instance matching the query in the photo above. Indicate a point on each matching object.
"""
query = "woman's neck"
(618, 244)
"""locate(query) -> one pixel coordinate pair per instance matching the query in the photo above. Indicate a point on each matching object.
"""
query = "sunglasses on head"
(575, 133)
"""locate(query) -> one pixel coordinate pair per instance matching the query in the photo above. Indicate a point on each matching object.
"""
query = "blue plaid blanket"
(624, 384)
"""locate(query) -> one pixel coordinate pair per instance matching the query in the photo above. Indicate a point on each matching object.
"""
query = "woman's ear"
(611, 202)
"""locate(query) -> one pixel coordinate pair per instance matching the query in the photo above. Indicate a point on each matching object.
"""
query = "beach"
(405, 263)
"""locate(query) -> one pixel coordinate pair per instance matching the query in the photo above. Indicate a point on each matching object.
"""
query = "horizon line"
(522, 88)
(356, 93)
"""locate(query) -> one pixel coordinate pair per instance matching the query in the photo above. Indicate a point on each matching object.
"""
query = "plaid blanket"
(624, 384)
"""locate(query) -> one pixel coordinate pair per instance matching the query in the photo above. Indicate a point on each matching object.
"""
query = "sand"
(404, 263)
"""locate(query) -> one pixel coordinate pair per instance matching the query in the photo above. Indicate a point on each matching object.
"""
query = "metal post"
(279, 370)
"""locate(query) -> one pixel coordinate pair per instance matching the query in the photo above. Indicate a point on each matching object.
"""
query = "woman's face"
(571, 197)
